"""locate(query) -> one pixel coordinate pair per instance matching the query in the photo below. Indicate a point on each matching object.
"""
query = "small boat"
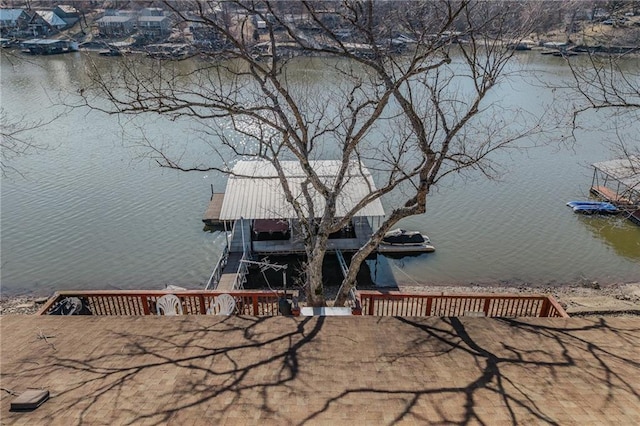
(110, 52)
(592, 207)
(403, 241)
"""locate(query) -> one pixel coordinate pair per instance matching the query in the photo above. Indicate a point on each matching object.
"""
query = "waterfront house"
(116, 24)
(152, 11)
(68, 13)
(38, 26)
(55, 22)
(13, 21)
(153, 25)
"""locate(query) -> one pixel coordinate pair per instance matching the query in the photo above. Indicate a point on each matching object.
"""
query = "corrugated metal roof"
(624, 170)
(254, 190)
(10, 15)
(51, 18)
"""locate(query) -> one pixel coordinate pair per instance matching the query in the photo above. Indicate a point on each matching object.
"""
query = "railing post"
(145, 305)
(203, 309)
(485, 308)
(357, 310)
(544, 311)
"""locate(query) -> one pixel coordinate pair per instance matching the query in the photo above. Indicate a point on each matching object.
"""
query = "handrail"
(217, 270)
(459, 304)
(240, 279)
(194, 302)
(345, 270)
(238, 282)
(265, 303)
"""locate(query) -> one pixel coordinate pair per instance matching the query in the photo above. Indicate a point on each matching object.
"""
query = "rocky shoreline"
(579, 299)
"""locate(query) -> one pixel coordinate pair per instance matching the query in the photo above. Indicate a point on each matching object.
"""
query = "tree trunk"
(314, 287)
(349, 281)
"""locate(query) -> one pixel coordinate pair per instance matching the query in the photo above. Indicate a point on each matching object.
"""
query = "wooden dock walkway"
(230, 272)
(212, 214)
(609, 195)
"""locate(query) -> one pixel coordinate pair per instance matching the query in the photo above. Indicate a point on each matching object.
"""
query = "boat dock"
(243, 246)
(212, 214)
(259, 221)
(39, 46)
(610, 195)
(229, 275)
(618, 182)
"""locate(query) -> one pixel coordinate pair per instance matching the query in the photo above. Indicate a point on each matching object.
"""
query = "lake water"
(93, 212)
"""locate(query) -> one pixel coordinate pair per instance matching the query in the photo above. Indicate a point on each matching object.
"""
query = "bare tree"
(609, 83)
(16, 139)
(413, 119)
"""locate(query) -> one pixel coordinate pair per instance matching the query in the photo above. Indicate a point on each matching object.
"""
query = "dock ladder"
(345, 269)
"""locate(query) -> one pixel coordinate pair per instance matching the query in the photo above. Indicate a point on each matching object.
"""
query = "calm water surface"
(92, 212)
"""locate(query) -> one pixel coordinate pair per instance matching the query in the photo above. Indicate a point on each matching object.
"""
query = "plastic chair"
(169, 304)
(223, 304)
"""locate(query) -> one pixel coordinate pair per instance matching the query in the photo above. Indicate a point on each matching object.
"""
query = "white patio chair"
(169, 304)
(223, 304)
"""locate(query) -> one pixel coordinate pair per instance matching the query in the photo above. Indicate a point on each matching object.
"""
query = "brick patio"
(323, 370)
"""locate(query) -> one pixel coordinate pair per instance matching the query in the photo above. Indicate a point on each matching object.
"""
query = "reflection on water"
(616, 232)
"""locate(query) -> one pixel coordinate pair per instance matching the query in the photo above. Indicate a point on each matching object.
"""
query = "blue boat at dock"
(593, 207)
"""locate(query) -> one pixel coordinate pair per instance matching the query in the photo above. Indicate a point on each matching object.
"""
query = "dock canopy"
(623, 170)
(254, 190)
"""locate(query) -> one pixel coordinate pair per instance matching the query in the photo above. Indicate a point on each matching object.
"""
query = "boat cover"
(401, 236)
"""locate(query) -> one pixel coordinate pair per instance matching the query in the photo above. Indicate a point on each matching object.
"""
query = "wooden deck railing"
(123, 302)
(265, 303)
(455, 305)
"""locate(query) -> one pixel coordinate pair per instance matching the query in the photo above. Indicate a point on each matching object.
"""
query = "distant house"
(116, 25)
(68, 13)
(55, 22)
(38, 26)
(13, 21)
(153, 26)
(151, 11)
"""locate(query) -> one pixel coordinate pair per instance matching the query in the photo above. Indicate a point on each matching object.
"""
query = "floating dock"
(212, 214)
(260, 221)
(618, 182)
(39, 46)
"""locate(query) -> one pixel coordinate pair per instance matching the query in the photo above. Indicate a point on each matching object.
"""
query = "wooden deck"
(212, 214)
(609, 195)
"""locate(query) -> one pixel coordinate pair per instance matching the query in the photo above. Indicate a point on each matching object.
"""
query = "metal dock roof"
(624, 170)
(254, 190)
